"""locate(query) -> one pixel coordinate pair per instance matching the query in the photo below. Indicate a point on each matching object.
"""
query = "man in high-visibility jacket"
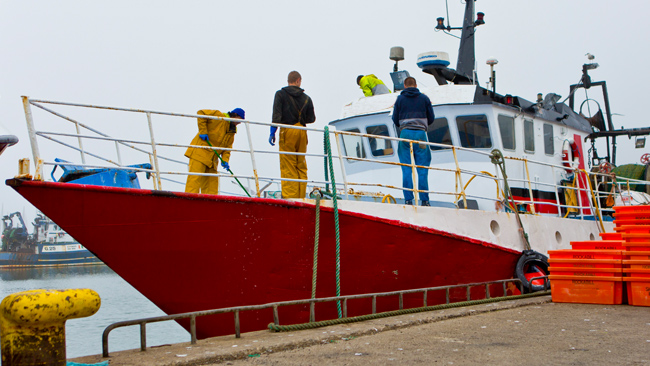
(371, 85)
(292, 106)
(219, 133)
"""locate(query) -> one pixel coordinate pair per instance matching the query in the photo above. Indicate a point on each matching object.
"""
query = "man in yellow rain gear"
(371, 85)
(219, 133)
(292, 106)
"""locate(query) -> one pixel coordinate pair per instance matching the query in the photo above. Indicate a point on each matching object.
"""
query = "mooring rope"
(328, 150)
(497, 159)
(316, 195)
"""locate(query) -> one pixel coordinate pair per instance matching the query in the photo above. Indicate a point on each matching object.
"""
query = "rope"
(497, 159)
(388, 198)
(327, 185)
(294, 327)
(328, 150)
(315, 194)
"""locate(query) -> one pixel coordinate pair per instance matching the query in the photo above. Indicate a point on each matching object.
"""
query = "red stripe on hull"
(188, 252)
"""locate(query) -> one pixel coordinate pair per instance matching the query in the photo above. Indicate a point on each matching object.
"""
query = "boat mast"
(466, 57)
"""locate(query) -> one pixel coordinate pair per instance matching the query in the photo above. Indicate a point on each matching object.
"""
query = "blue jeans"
(422, 157)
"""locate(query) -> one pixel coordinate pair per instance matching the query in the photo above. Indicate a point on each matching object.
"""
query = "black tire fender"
(531, 258)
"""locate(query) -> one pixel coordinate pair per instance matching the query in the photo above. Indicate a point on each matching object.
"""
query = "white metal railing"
(150, 148)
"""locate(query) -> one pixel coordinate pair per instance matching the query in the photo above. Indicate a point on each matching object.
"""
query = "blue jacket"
(413, 110)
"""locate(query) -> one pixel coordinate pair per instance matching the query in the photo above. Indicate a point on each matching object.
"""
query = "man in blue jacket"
(412, 115)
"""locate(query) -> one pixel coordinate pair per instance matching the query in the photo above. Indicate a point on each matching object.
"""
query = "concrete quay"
(533, 331)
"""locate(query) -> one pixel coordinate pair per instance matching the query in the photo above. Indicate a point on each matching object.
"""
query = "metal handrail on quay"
(312, 308)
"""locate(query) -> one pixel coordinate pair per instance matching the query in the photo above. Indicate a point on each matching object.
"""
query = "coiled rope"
(294, 327)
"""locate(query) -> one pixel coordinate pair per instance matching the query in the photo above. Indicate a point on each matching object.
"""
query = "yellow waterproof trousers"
(199, 183)
(293, 166)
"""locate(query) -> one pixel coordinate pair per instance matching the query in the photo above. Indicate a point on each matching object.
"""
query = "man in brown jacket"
(219, 133)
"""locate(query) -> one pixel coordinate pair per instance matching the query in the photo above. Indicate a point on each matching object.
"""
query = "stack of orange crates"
(633, 223)
(590, 273)
(593, 272)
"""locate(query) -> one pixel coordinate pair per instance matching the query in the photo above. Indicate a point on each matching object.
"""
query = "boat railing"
(343, 300)
(457, 170)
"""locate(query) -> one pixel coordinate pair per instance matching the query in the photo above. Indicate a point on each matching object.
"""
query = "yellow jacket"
(219, 133)
(367, 83)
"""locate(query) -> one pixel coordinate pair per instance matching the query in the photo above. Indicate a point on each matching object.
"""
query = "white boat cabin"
(465, 119)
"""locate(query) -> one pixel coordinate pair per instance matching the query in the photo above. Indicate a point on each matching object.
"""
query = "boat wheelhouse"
(466, 117)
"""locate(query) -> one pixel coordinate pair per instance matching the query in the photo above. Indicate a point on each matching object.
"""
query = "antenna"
(493, 76)
(397, 55)
(466, 63)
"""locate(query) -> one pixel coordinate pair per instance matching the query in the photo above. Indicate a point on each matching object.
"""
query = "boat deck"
(531, 331)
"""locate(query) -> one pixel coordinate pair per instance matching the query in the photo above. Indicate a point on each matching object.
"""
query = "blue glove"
(204, 137)
(225, 165)
(272, 136)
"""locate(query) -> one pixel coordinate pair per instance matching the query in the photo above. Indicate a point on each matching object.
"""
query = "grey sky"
(190, 55)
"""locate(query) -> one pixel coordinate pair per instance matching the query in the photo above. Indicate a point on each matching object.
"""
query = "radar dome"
(433, 58)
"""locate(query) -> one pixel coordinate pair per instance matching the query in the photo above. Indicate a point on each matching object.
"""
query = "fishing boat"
(48, 246)
(510, 180)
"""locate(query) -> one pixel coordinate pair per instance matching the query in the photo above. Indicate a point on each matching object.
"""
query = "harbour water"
(120, 301)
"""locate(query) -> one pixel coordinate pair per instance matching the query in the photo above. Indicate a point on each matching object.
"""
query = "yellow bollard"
(32, 324)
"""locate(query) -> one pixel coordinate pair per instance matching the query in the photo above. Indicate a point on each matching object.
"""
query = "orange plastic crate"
(597, 244)
(611, 236)
(581, 271)
(587, 290)
(636, 237)
(636, 246)
(635, 263)
(622, 222)
(638, 290)
(631, 216)
(637, 272)
(637, 255)
(632, 209)
(586, 263)
(633, 229)
(585, 254)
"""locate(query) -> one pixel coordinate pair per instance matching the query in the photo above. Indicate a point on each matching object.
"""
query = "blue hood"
(411, 92)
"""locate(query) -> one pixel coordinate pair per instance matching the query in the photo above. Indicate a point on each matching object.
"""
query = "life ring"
(570, 155)
(532, 264)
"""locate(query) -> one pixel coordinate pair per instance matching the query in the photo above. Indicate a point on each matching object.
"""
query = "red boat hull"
(190, 252)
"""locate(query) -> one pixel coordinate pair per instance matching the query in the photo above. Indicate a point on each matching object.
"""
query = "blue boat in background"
(49, 245)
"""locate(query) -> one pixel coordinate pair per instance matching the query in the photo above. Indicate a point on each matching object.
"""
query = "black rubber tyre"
(531, 258)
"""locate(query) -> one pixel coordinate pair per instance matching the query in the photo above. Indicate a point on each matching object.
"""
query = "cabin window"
(548, 139)
(439, 133)
(529, 135)
(379, 146)
(473, 131)
(507, 129)
(353, 145)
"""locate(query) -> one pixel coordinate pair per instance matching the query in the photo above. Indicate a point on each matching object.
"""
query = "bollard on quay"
(32, 324)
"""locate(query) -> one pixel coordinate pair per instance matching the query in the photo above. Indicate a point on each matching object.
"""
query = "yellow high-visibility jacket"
(367, 83)
(219, 133)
